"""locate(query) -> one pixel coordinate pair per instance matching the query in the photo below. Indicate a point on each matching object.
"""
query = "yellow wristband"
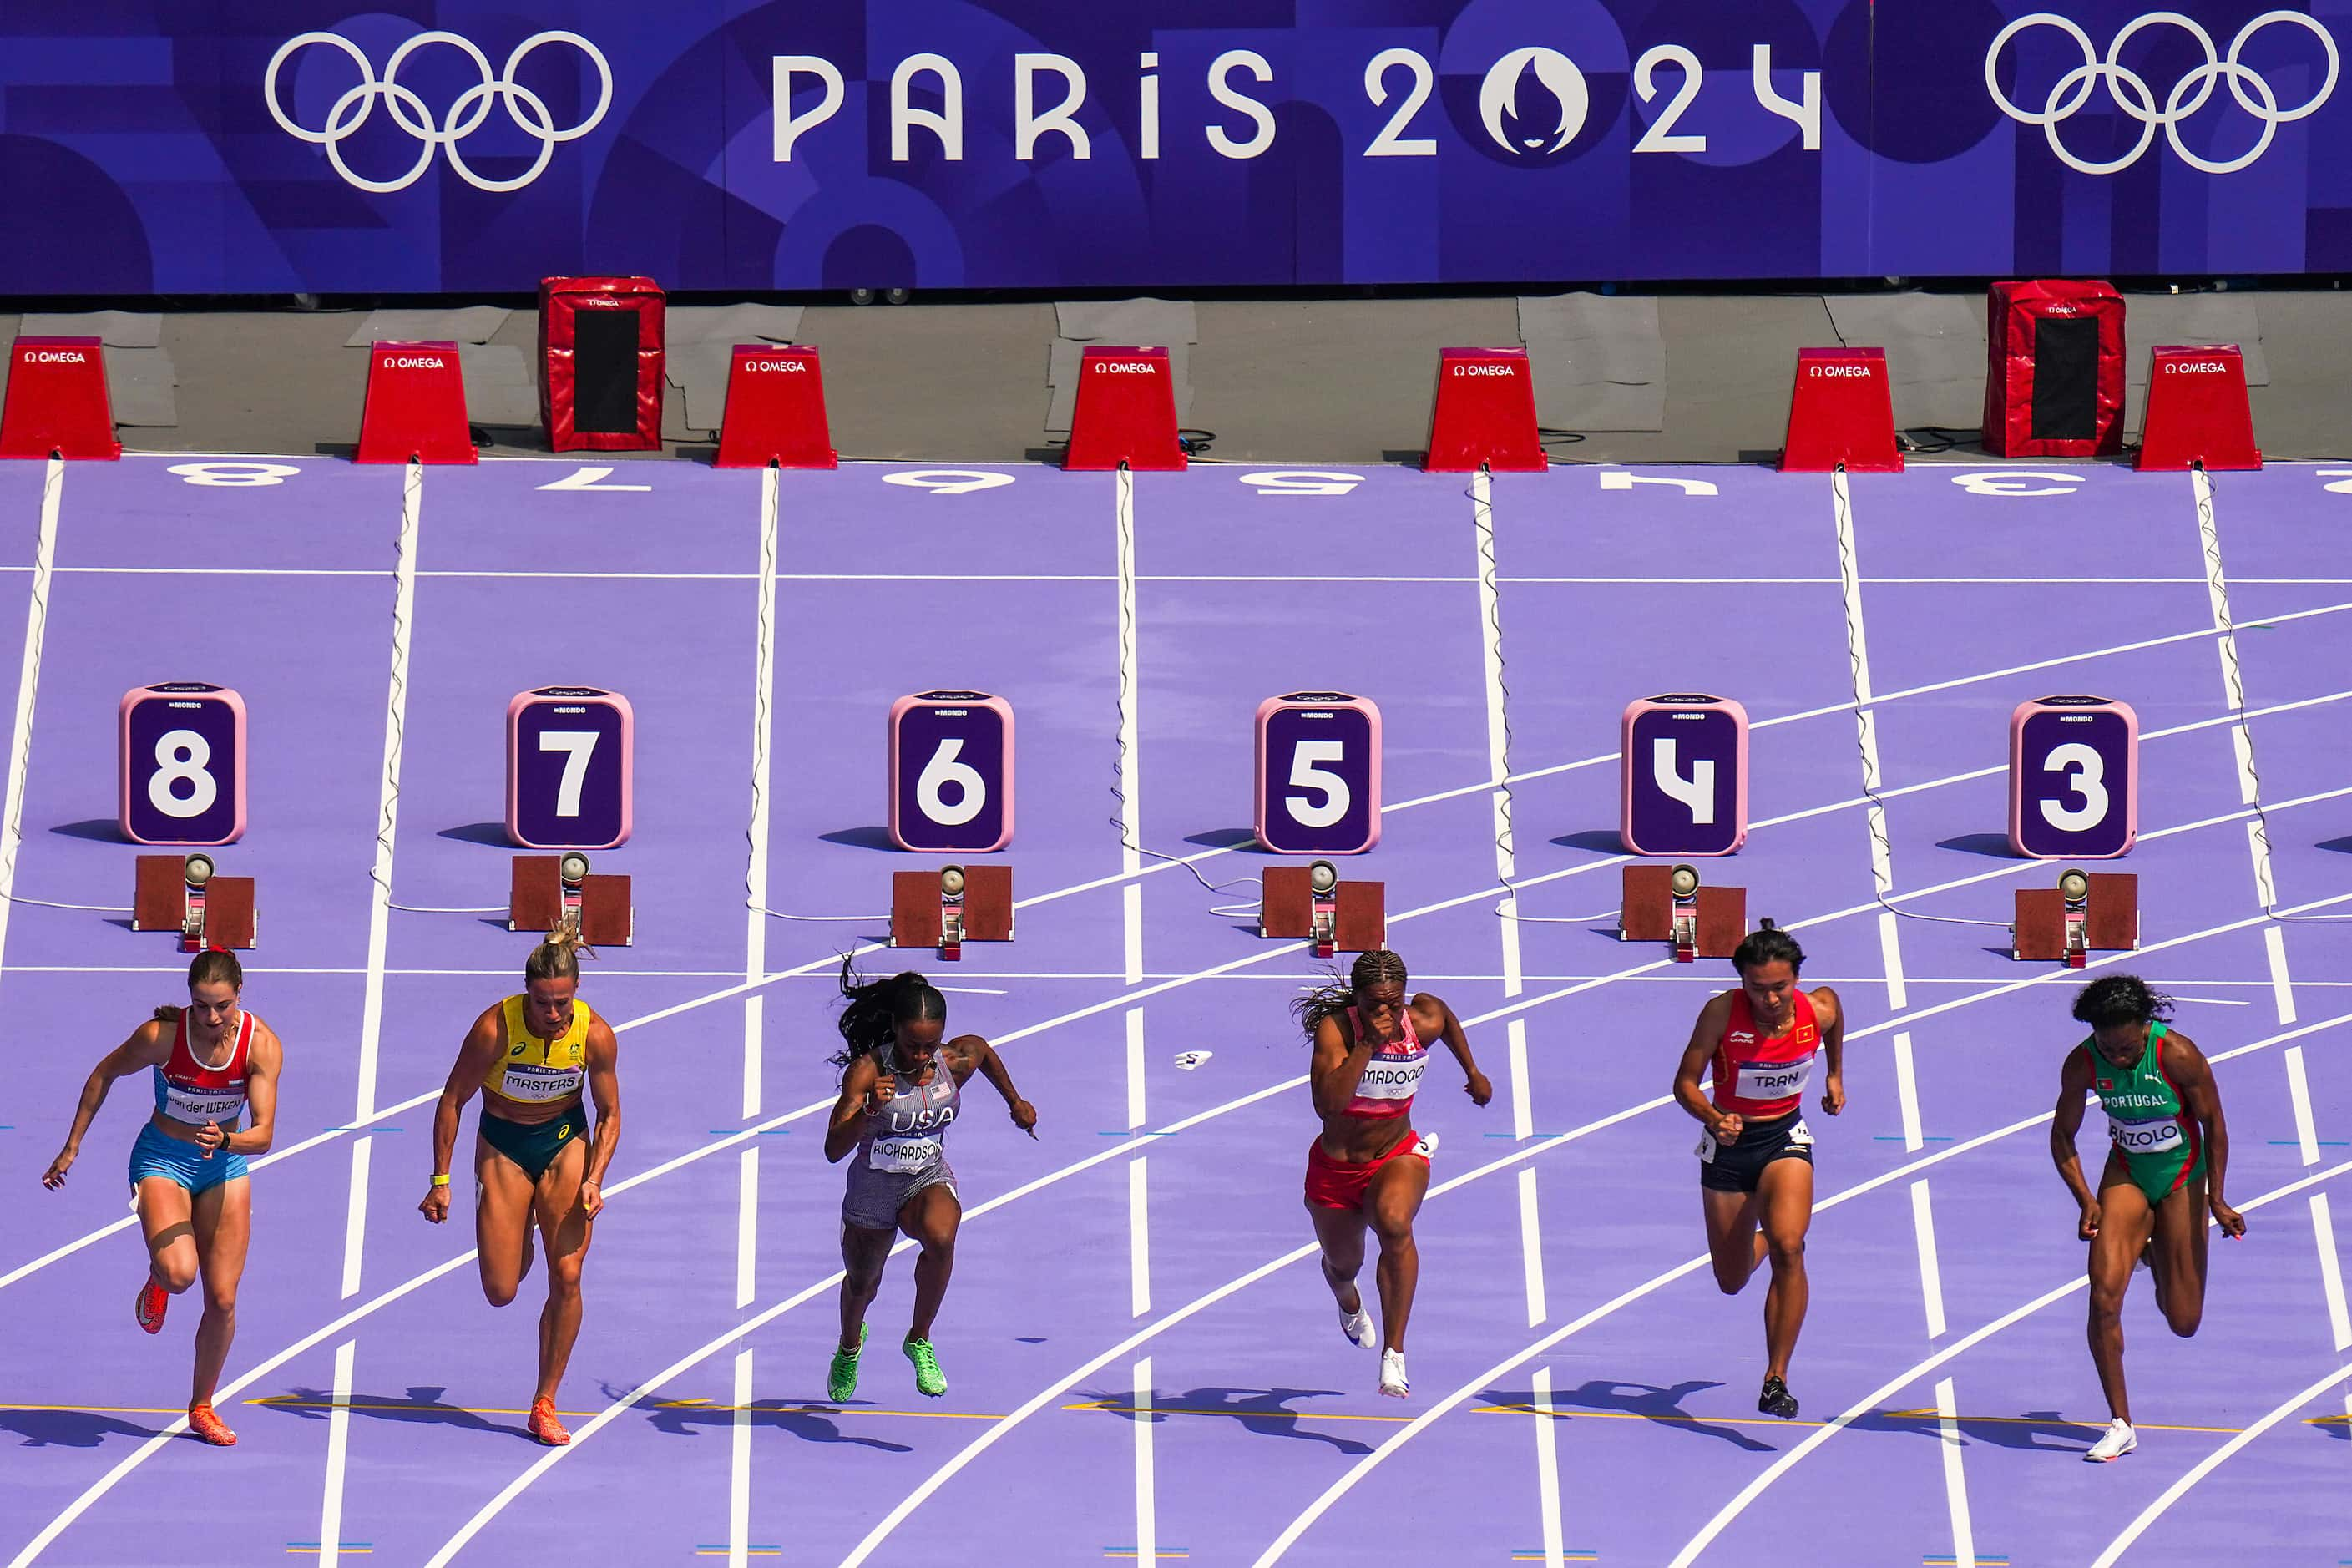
(441, 1179)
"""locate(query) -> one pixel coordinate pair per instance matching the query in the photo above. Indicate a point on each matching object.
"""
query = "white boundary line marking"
(2206, 1465)
(1931, 1276)
(1139, 1237)
(1498, 760)
(338, 1436)
(1906, 1093)
(2299, 1089)
(739, 1459)
(1547, 1464)
(2331, 1272)
(28, 685)
(1531, 1246)
(1956, 1486)
(1146, 1509)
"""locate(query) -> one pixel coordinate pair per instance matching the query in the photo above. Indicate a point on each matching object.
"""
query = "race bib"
(903, 1156)
(196, 1106)
(2159, 1137)
(538, 1085)
(1772, 1080)
(1391, 1080)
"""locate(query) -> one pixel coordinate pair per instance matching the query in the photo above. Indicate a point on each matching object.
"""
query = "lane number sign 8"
(182, 765)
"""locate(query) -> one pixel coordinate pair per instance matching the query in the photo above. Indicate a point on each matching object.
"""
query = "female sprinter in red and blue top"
(1369, 1167)
(1756, 1157)
(213, 1062)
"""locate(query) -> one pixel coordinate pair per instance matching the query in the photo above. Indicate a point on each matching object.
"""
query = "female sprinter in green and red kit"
(2168, 1149)
(213, 1062)
(1367, 1166)
(1756, 1157)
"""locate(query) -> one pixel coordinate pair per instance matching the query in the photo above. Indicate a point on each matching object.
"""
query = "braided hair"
(1336, 995)
(872, 1010)
(2114, 999)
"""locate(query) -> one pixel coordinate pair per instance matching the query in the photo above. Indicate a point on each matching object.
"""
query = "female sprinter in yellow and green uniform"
(2170, 1148)
(535, 1159)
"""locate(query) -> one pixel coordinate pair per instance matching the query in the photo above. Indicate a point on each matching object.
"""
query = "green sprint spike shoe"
(929, 1379)
(841, 1380)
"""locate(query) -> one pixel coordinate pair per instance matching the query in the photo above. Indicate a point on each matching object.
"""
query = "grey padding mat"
(499, 385)
(729, 324)
(470, 324)
(1935, 347)
(1062, 380)
(1599, 361)
(1141, 323)
(141, 387)
(115, 329)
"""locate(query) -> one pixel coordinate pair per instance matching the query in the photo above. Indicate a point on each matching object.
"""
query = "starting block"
(57, 404)
(1667, 903)
(415, 406)
(176, 894)
(2086, 911)
(955, 905)
(1842, 414)
(776, 410)
(1126, 412)
(555, 892)
(1484, 415)
(1309, 902)
(2198, 413)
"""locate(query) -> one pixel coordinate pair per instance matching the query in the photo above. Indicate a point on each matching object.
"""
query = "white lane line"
(355, 1215)
(1931, 1276)
(338, 1436)
(1890, 952)
(1146, 1508)
(747, 1225)
(1888, 1390)
(1555, 1548)
(2331, 1272)
(1135, 1076)
(1906, 1093)
(1523, 1111)
(1857, 655)
(1498, 760)
(1130, 803)
(739, 1459)
(1488, 1378)
(1956, 1486)
(755, 868)
(29, 686)
(1131, 930)
(2206, 1466)
(1531, 1246)
(1138, 1238)
(2275, 948)
(2299, 1089)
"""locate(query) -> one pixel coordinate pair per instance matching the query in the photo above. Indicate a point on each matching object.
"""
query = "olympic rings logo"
(2133, 95)
(526, 107)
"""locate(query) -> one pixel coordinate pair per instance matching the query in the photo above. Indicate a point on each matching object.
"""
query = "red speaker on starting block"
(2196, 411)
(2054, 369)
(1842, 414)
(1484, 415)
(776, 410)
(415, 406)
(1126, 412)
(57, 403)
(601, 385)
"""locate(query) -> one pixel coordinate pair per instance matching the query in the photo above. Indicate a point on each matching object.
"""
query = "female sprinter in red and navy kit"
(1756, 1157)
(1369, 1167)
(213, 1062)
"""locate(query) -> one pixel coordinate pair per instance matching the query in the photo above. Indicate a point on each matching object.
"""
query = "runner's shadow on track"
(2027, 1431)
(861, 838)
(809, 1424)
(1263, 1411)
(1994, 845)
(1648, 1400)
(67, 1428)
(421, 1406)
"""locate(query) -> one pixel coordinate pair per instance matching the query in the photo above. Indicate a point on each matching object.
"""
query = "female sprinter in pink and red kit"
(1369, 1167)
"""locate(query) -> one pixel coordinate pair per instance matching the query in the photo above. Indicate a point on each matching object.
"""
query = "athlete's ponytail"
(214, 966)
(872, 1010)
(1336, 995)
(557, 958)
(2114, 999)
